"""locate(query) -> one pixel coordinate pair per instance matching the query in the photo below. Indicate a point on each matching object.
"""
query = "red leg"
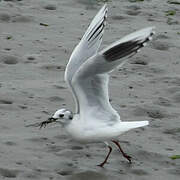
(104, 162)
(123, 153)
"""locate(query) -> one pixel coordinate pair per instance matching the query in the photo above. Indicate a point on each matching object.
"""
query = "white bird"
(87, 75)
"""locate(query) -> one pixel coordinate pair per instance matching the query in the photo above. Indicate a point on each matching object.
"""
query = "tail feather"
(110, 132)
(126, 126)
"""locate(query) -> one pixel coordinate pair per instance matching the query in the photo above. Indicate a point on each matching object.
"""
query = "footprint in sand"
(91, 4)
(4, 17)
(149, 71)
(85, 175)
(175, 171)
(59, 87)
(34, 174)
(56, 99)
(161, 36)
(21, 19)
(158, 159)
(8, 173)
(173, 89)
(162, 102)
(176, 97)
(5, 101)
(18, 18)
(54, 148)
(32, 58)
(10, 143)
(76, 147)
(50, 7)
(139, 172)
(140, 61)
(162, 46)
(9, 59)
(12, 0)
(174, 132)
(119, 17)
(39, 140)
(52, 67)
(150, 111)
(65, 172)
(170, 80)
(133, 12)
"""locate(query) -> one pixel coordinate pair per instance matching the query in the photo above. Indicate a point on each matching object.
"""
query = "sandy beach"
(36, 41)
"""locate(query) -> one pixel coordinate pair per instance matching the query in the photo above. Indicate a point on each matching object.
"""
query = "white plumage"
(87, 75)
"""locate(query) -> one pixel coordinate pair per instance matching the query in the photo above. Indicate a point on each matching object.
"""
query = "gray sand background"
(32, 63)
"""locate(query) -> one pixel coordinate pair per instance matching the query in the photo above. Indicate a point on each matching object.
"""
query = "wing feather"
(128, 45)
(91, 80)
(89, 44)
(87, 47)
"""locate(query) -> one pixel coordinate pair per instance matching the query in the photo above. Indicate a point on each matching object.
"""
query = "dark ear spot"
(61, 115)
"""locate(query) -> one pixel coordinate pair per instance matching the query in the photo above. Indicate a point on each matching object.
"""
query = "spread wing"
(87, 47)
(90, 82)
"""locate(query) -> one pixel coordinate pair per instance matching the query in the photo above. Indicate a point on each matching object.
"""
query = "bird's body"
(87, 75)
(85, 132)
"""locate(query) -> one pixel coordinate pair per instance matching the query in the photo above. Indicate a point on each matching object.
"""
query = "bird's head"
(62, 115)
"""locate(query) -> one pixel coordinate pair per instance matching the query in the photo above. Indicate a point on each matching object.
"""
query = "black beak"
(51, 119)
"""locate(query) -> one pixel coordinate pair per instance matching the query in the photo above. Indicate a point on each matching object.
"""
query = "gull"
(87, 76)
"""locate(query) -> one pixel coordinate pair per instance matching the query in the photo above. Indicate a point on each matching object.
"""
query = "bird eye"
(61, 115)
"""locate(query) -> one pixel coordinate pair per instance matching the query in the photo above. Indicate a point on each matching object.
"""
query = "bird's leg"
(105, 161)
(123, 153)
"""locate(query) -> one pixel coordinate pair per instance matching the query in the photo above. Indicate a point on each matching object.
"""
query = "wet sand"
(37, 38)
